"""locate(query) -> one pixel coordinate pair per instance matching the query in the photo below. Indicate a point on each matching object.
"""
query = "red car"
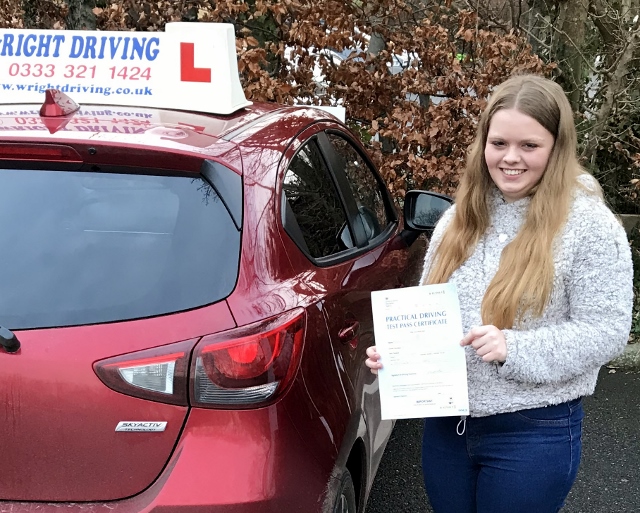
(185, 307)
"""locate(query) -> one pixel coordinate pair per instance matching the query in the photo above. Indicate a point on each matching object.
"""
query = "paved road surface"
(608, 480)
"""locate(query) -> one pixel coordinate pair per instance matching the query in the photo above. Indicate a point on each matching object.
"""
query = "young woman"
(544, 275)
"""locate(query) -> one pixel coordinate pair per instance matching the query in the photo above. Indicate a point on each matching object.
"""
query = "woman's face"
(517, 152)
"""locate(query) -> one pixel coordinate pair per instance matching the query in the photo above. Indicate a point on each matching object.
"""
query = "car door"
(313, 218)
(378, 266)
(337, 212)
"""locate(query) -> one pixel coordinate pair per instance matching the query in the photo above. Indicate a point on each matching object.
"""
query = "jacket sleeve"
(434, 242)
(600, 294)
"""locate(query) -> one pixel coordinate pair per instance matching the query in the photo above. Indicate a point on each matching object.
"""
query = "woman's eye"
(497, 143)
(531, 145)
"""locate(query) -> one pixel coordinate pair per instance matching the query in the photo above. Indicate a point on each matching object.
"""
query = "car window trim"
(390, 208)
(288, 218)
(298, 239)
(339, 177)
(355, 252)
(228, 186)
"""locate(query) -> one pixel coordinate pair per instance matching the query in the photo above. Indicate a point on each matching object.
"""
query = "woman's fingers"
(488, 342)
(373, 360)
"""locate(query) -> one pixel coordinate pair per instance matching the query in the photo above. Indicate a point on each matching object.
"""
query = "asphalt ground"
(609, 476)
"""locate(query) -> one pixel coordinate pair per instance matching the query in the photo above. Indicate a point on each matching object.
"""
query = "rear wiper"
(8, 340)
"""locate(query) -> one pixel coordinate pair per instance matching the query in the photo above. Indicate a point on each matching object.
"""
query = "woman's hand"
(373, 360)
(488, 341)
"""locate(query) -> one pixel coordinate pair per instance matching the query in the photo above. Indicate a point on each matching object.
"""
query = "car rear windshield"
(83, 248)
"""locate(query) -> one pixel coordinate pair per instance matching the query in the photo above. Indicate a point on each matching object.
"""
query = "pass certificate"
(418, 332)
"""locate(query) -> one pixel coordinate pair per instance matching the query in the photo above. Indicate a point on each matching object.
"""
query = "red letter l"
(188, 72)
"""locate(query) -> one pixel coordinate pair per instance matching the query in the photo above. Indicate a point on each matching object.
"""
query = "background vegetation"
(413, 75)
(417, 115)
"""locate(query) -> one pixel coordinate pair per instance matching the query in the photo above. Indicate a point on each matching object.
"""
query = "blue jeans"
(521, 462)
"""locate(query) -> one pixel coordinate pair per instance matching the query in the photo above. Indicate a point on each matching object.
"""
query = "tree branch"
(614, 89)
(606, 28)
(575, 46)
(544, 45)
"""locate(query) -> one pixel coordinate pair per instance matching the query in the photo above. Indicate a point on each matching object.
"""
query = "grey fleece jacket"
(554, 358)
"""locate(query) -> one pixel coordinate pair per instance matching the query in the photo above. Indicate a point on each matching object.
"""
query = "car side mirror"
(423, 209)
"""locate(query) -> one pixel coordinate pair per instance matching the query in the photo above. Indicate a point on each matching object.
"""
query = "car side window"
(314, 216)
(364, 187)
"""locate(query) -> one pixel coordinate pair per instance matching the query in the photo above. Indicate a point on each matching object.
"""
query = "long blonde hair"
(524, 280)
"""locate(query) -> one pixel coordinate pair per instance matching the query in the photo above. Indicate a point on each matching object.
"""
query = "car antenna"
(8, 340)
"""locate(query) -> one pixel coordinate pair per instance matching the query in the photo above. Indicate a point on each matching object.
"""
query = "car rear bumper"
(226, 462)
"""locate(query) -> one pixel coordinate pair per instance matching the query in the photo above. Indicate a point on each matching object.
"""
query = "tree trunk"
(80, 15)
(568, 48)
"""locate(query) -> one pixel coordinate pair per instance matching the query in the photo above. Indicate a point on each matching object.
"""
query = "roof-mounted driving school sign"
(189, 66)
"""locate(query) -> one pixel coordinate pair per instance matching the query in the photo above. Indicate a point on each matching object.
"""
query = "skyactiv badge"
(141, 426)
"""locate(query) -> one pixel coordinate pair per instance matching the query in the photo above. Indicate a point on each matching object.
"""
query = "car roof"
(163, 130)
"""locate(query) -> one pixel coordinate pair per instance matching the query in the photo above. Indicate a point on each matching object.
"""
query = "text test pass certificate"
(418, 332)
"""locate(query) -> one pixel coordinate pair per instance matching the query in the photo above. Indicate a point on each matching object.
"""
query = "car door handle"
(350, 332)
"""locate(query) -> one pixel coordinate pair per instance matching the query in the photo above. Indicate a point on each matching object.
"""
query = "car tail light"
(158, 374)
(247, 366)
